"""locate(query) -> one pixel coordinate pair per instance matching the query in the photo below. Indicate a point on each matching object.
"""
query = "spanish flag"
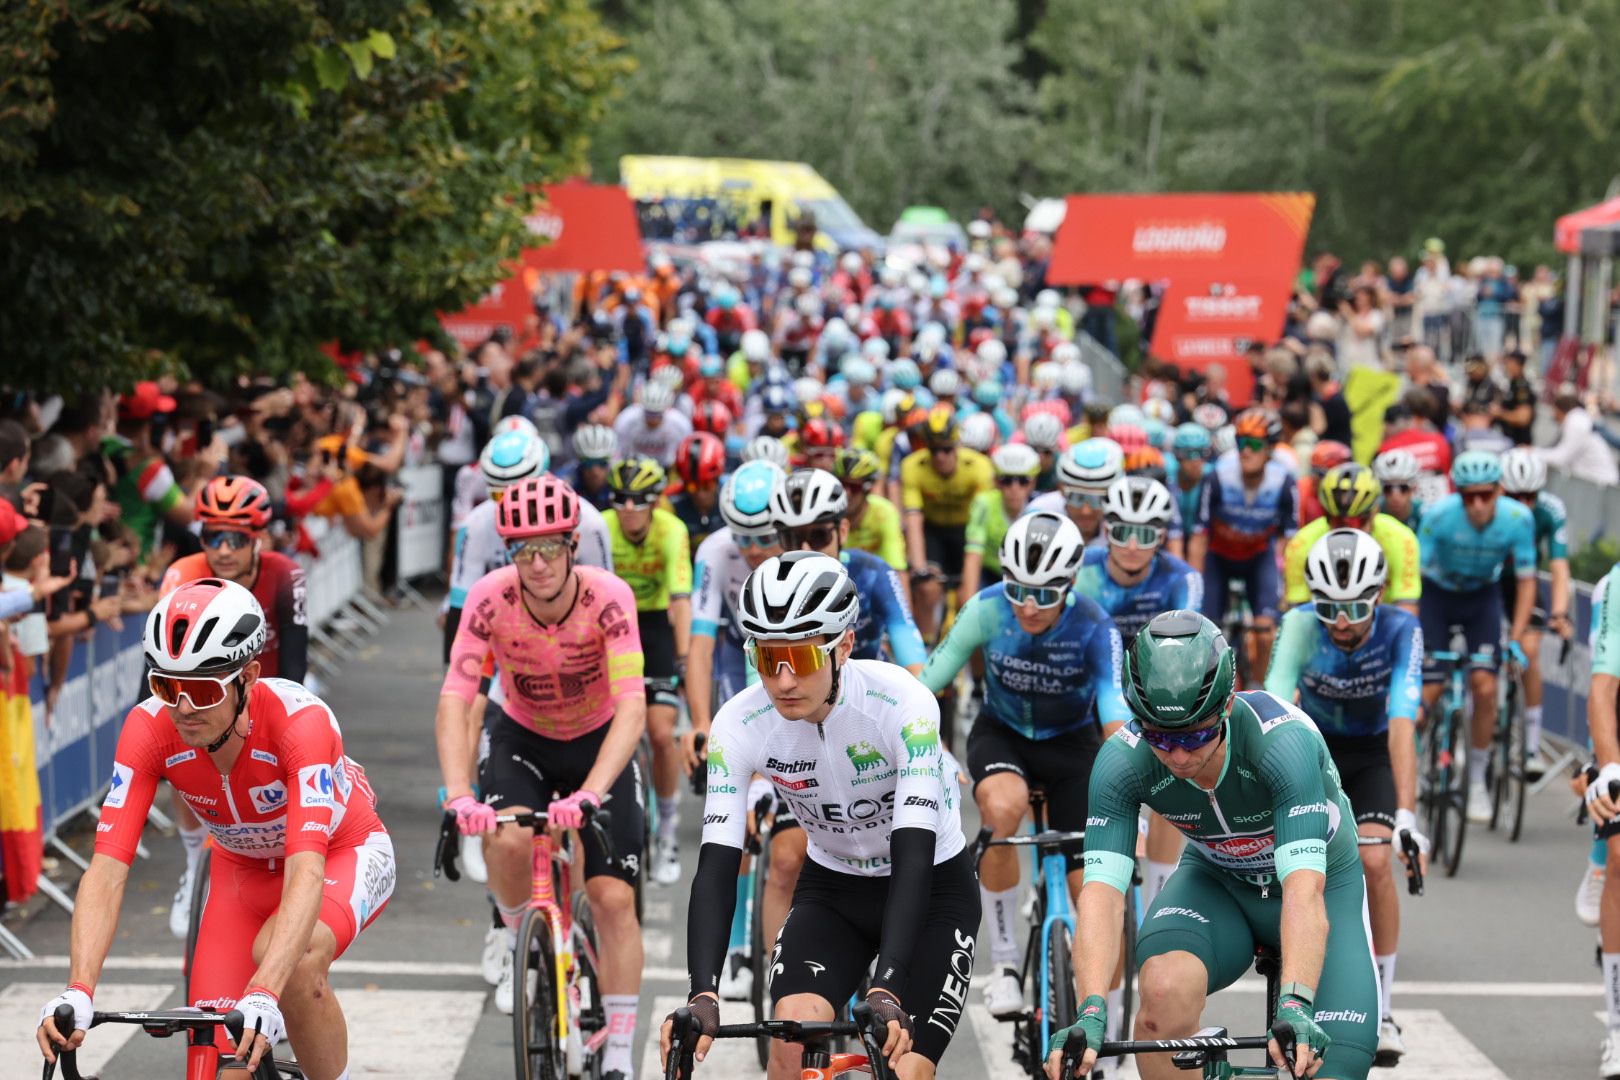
(21, 824)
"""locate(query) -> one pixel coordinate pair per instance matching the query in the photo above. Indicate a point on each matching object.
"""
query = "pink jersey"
(291, 789)
(560, 681)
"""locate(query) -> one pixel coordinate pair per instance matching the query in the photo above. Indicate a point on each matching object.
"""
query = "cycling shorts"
(730, 673)
(244, 893)
(1260, 584)
(1510, 596)
(528, 770)
(835, 927)
(1220, 919)
(658, 658)
(1366, 776)
(1061, 764)
(945, 547)
(1478, 613)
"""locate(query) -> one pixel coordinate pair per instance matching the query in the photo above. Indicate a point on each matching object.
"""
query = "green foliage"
(222, 186)
(1592, 562)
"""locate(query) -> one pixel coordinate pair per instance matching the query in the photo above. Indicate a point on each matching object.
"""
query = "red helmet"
(233, 502)
(1129, 436)
(713, 417)
(539, 506)
(700, 459)
(1327, 454)
(821, 434)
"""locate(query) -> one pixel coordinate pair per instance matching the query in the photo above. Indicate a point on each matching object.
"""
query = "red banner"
(1567, 232)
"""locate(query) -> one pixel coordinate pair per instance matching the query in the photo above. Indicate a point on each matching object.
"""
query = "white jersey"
(659, 443)
(480, 549)
(718, 574)
(873, 766)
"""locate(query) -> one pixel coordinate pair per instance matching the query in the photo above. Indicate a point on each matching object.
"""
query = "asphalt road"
(1496, 976)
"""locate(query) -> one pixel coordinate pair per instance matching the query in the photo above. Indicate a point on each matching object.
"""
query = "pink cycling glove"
(472, 816)
(569, 813)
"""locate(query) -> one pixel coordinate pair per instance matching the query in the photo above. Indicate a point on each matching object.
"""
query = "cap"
(145, 401)
(12, 523)
(1435, 245)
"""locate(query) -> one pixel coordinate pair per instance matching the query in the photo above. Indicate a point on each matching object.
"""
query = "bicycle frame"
(555, 903)
(1053, 869)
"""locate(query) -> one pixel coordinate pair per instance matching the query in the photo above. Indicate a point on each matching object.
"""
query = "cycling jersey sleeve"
(621, 634)
(911, 494)
(970, 630)
(1288, 510)
(978, 525)
(678, 560)
(1187, 591)
(462, 573)
(1292, 768)
(292, 627)
(892, 548)
(1558, 522)
(135, 775)
(905, 641)
(595, 546)
(1406, 680)
(1295, 591)
(311, 751)
(1524, 548)
(706, 604)
(1209, 502)
(473, 643)
(708, 916)
(1105, 651)
(917, 794)
(1401, 556)
(1116, 798)
(1606, 634)
(916, 743)
(1296, 640)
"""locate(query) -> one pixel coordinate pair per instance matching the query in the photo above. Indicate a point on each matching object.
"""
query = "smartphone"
(205, 432)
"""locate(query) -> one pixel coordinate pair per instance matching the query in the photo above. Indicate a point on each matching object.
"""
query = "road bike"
(1508, 772)
(203, 1058)
(820, 1061)
(559, 1025)
(1443, 749)
(1238, 629)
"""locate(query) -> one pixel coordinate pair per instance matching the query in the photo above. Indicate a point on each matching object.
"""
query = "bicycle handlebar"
(598, 822)
(1046, 842)
(1413, 853)
(1612, 826)
(863, 1025)
(157, 1024)
(1190, 1053)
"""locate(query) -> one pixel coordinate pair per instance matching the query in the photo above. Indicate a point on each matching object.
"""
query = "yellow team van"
(692, 200)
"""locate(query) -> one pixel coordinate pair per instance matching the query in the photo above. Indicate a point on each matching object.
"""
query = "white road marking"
(171, 964)
(727, 1057)
(1437, 1051)
(993, 1041)
(655, 911)
(19, 1017)
(387, 1036)
(658, 945)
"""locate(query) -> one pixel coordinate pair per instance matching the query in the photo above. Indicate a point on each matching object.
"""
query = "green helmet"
(1178, 671)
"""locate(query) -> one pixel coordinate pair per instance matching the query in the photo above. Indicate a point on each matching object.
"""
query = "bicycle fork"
(1055, 879)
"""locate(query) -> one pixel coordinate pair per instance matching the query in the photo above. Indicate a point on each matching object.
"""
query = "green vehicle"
(927, 226)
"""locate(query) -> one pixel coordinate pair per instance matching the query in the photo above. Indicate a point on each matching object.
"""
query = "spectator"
(1580, 451)
(1329, 412)
(1550, 312)
(1493, 293)
(147, 491)
(1478, 386)
(1515, 406)
(1363, 329)
(1429, 285)
(1541, 287)
(1423, 372)
(1477, 432)
(1399, 297)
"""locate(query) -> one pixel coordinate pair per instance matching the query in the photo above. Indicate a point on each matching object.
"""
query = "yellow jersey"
(1405, 581)
(878, 532)
(945, 501)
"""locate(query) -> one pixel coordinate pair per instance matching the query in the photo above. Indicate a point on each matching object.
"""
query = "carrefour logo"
(269, 798)
(122, 775)
(315, 785)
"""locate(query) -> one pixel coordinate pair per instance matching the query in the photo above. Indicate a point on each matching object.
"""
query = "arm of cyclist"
(968, 632)
(452, 736)
(1558, 600)
(905, 641)
(699, 683)
(1524, 565)
(1198, 539)
(301, 895)
(95, 922)
(292, 627)
(1405, 699)
(972, 570)
(916, 549)
(1104, 650)
(1304, 930)
(1600, 710)
(892, 547)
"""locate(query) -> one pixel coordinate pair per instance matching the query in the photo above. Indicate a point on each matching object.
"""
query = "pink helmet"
(538, 506)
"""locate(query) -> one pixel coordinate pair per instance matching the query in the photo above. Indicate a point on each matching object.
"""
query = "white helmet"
(657, 396)
(1013, 459)
(1005, 297)
(800, 277)
(1223, 440)
(745, 500)
(875, 349)
(1074, 378)
(1043, 431)
(890, 405)
(1048, 298)
(808, 497)
(851, 262)
(993, 353)
(1138, 500)
(805, 259)
(1042, 550)
(596, 442)
(1209, 416)
(904, 373)
(807, 389)
(891, 276)
(974, 263)
(513, 456)
(944, 383)
(1094, 463)
(858, 371)
(1125, 415)
(756, 346)
(1065, 352)
(808, 304)
(1044, 317)
(1044, 377)
(669, 375)
(1160, 409)
(801, 594)
(205, 627)
(1523, 473)
(932, 333)
(1346, 564)
(515, 423)
(766, 448)
(979, 431)
(1397, 467)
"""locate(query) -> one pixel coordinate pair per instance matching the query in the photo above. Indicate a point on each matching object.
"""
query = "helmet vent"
(203, 633)
(177, 634)
(244, 629)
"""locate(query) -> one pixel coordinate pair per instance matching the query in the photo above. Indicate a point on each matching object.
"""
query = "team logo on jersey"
(921, 737)
(864, 756)
(122, 777)
(267, 757)
(717, 760)
(315, 785)
(177, 759)
(269, 798)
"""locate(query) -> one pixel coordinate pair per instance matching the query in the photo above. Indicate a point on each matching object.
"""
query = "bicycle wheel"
(1431, 804)
(199, 900)
(1514, 772)
(1454, 791)
(649, 821)
(1059, 998)
(759, 950)
(592, 1015)
(535, 1047)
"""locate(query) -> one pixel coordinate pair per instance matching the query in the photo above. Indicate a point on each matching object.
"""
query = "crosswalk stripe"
(657, 945)
(727, 1058)
(1435, 1050)
(993, 1041)
(19, 1017)
(388, 1038)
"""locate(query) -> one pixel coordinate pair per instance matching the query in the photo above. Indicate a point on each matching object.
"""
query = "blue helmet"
(512, 456)
(1192, 440)
(904, 374)
(726, 297)
(987, 393)
(711, 366)
(745, 501)
(1158, 433)
(776, 398)
(1474, 468)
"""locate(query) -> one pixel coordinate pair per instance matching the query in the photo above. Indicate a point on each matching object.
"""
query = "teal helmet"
(1192, 439)
(1476, 467)
(1179, 672)
(987, 393)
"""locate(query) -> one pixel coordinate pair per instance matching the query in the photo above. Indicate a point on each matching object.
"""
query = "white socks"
(1532, 728)
(1611, 987)
(621, 1024)
(193, 839)
(1154, 875)
(1001, 913)
(1479, 757)
(667, 816)
(512, 918)
(1386, 979)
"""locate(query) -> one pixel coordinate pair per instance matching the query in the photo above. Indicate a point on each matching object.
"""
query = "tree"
(225, 185)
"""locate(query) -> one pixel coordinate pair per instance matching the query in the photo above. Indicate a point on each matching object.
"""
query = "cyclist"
(234, 512)
(1085, 472)
(841, 741)
(1044, 432)
(651, 553)
(1524, 476)
(1192, 449)
(1605, 734)
(1248, 503)
(1397, 471)
(570, 709)
(1349, 495)
(596, 446)
(767, 448)
(938, 484)
(653, 428)
(699, 462)
(819, 441)
(1051, 660)
(308, 863)
(1467, 538)
(1016, 465)
(1355, 667)
(1249, 781)
(874, 522)
(1131, 576)
(1325, 455)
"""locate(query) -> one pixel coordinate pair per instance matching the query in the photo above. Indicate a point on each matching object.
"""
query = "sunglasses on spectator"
(1400, 489)
(203, 691)
(635, 502)
(1077, 498)
(1353, 610)
(214, 539)
(800, 657)
(1042, 596)
(1249, 442)
(1166, 741)
(814, 537)
(744, 541)
(547, 548)
(1015, 481)
(1121, 533)
(1478, 495)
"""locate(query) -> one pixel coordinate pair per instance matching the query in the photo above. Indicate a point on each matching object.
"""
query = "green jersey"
(987, 524)
(1278, 806)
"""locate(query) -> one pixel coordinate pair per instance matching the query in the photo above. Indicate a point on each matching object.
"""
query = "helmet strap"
(241, 703)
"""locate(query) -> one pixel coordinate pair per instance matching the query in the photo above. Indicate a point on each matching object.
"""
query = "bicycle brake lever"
(1287, 1044)
(444, 855)
(700, 774)
(1414, 865)
(599, 821)
(872, 1039)
(68, 1058)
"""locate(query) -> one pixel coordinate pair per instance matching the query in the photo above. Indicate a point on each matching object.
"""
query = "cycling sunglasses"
(815, 537)
(203, 691)
(214, 539)
(1477, 495)
(1077, 499)
(1191, 455)
(639, 501)
(1043, 596)
(1167, 741)
(594, 463)
(1401, 489)
(546, 547)
(1121, 533)
(1015, 481)
(1354, 610)
(857, 487)
(801, 657)
(1249, 442)
(744, 541)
